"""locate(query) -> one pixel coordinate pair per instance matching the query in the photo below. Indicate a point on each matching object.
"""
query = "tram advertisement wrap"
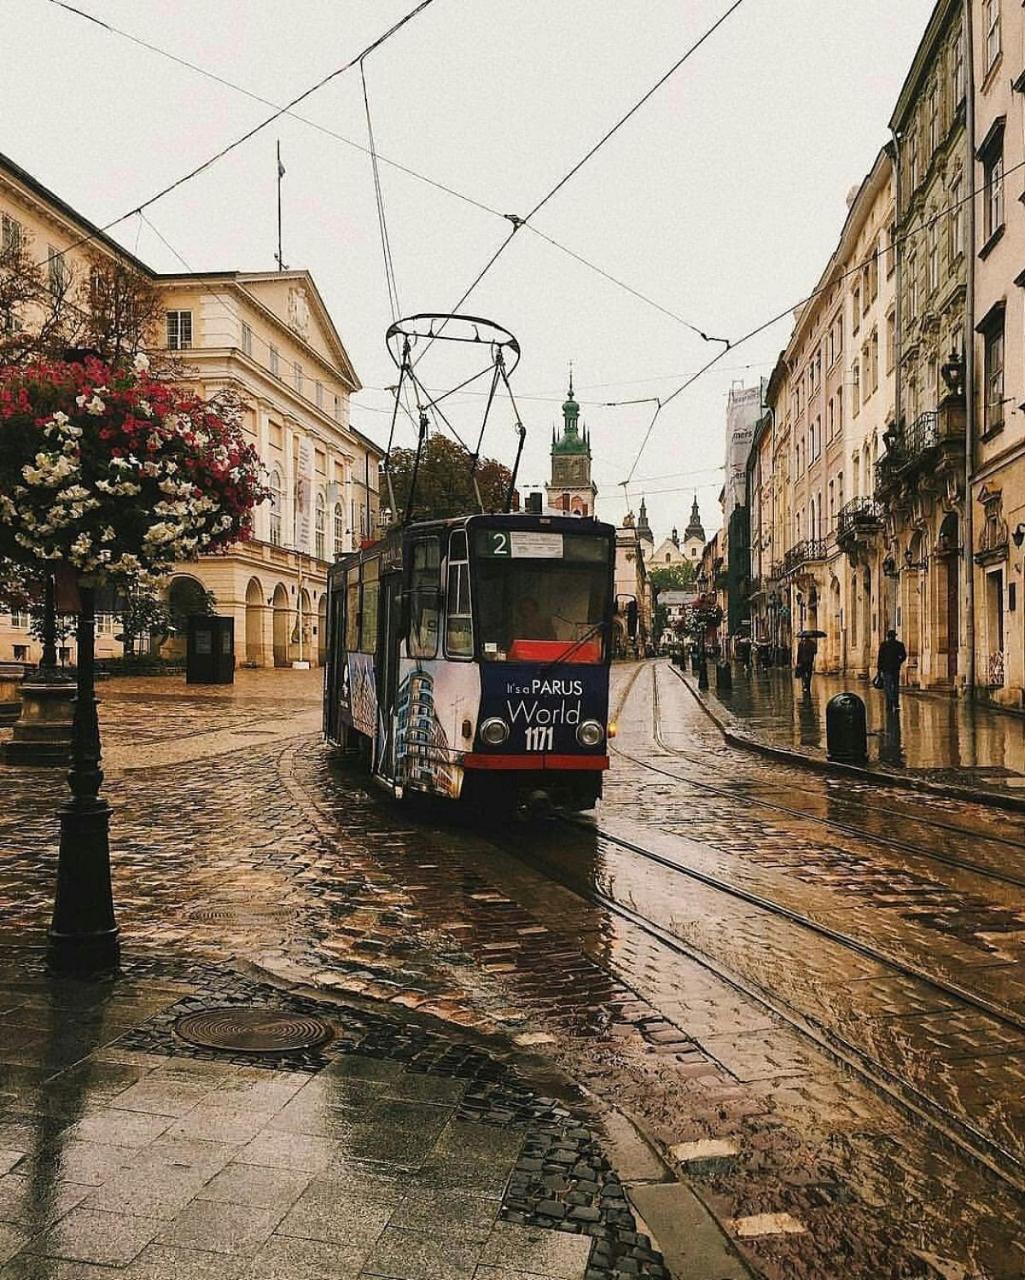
(545, 705)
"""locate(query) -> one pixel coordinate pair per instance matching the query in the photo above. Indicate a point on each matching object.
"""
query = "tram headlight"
(590, 734)
(494, 731)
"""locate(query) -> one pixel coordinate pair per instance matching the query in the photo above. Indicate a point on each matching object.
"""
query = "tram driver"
(531, 623)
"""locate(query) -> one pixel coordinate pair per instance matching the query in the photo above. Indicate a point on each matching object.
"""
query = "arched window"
(276, 496)
(339, 528)
(319, 525)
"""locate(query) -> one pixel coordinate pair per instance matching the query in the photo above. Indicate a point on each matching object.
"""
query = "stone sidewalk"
(394, 1151)
(938, 741)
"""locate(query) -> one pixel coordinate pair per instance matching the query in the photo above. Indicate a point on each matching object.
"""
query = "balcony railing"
(911, 446)
(806, 552)
(858, 517)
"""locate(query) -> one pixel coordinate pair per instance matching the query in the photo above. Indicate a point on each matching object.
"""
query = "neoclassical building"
(267, 336)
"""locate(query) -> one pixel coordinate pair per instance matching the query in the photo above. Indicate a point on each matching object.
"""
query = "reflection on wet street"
(806, 992)
(948, 740)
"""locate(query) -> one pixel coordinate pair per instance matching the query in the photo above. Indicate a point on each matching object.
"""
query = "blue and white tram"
(470, 658)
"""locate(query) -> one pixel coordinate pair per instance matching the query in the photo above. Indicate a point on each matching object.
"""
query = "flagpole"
(281, 174)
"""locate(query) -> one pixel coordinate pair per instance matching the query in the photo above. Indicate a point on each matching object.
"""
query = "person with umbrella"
(806, 651)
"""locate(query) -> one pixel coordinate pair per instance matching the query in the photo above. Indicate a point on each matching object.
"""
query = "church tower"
(571, 488)
(694, 534)
(643, 528)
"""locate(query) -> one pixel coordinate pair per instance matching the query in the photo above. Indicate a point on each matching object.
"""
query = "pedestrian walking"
(805, 665)
(892, 656)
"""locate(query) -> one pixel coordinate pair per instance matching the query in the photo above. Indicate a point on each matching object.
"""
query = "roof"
(241, 278)
(8, 166)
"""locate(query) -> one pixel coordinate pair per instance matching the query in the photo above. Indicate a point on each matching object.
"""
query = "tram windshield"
(540, 596)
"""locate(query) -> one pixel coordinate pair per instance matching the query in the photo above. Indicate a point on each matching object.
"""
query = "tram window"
(458, 624)
(368, 620)
(535, 596)
(424, 598)
(352, 610)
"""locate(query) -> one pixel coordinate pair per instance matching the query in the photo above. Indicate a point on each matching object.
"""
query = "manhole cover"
(250, 914)
(252, 1030)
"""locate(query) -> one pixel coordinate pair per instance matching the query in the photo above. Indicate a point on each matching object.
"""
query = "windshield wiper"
(567, 654)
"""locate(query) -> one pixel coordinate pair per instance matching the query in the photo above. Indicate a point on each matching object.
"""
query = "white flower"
(96, 407)
(141, 363)
(80, 401)
(146, 408)
(108, 534)
(60, 418)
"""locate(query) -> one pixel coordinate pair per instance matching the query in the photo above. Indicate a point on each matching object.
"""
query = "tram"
(469, 658)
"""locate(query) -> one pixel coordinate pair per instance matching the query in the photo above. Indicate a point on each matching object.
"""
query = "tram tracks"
(849, 829)
(991, 1150)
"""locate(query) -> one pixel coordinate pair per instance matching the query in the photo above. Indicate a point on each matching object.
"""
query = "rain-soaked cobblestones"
(268, 859)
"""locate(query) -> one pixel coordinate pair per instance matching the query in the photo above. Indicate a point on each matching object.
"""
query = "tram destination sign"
(522, 544)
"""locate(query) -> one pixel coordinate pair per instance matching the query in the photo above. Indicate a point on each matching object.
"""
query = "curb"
(724, 722)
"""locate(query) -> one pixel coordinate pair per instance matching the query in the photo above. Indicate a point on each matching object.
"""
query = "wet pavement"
(935, 738)
(805, 993)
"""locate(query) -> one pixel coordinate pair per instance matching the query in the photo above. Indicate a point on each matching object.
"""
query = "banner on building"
(304, 497)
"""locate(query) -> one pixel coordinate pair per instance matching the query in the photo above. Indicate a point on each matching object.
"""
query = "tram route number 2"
(540, 737)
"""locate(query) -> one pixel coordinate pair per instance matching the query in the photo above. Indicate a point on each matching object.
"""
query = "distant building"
(571, 488)
(672, 552)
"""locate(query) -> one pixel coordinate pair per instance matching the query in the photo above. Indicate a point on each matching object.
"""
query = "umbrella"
(811, 635)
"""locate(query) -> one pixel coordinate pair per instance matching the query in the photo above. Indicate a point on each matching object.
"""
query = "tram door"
(388, 666)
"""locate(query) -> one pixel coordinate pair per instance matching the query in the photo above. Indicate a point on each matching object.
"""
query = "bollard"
(702, 674)
(695, 662)
(723, 677)
(846, 731)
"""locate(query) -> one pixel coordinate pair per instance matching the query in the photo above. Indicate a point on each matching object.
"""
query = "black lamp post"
(83, 936)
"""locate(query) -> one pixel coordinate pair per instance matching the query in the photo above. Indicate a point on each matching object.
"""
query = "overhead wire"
(381, 158)
(249, 133)
(518, 222)
(831, 283)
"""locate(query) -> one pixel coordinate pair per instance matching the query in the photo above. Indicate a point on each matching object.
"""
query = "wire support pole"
(407, 515)
(521, 431)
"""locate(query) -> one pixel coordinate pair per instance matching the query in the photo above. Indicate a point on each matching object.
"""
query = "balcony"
(922, 448)
(809, 551)
(857, 521)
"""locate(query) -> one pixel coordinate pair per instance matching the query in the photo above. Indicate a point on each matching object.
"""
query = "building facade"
(920, 473)
(996, 414)
(269, 338)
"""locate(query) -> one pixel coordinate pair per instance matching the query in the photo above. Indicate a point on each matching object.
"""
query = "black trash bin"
(723, 676)
(846, 729)
(210, 653)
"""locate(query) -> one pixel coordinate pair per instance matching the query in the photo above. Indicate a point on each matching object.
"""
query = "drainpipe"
(969, 364)
(898, 355)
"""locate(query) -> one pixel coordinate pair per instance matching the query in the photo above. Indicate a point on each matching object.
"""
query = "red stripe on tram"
(473, 760)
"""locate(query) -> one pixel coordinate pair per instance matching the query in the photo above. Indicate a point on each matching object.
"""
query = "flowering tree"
(116, 473)
(701, 617)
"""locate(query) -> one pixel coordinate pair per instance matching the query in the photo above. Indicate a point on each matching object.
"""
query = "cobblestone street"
(782, 1013)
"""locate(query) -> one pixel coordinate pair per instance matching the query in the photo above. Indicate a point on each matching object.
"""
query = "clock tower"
(571, 488)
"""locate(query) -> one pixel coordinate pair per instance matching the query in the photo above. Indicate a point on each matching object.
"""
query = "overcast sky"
(721, 199)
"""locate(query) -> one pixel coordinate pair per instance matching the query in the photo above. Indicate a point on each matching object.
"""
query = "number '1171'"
(540, 738)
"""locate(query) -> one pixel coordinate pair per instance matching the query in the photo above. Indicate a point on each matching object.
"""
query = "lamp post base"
(83, 936)
(80, 955)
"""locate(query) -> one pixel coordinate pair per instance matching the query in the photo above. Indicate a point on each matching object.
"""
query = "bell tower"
(571, 488)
